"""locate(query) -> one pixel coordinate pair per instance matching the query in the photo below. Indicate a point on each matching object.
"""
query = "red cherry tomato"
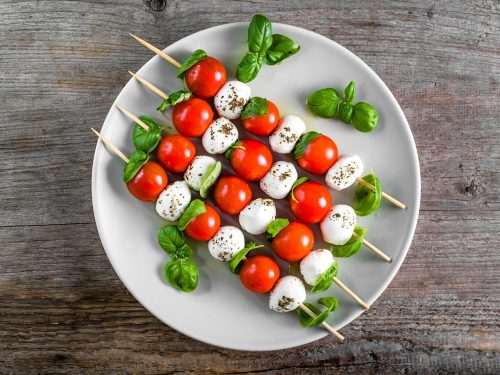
(203, 227)
(175, 153)
(319, 155)
(206, 77)
(259, 273)
(192, 117)
(293, 242)
(232, 194)
(263, 125)
(251, 159)
(149, 182)
(310, 202)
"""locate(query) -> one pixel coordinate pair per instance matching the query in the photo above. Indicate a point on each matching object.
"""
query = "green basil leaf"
(136, 160)
(234, 264)
(304, 140)
(365, 200)
(351, 247)
(171, 239)
(195, 208)
(230, 150)
(326, 278)
(259, 34)
(299, 181)
(275, 227)
(209, 178)
(192, 59)
(146, 140)
(331, 303)
(345, 112)
(282, 48)
(174, 98)
(256, 106)
(350, 92)
(249, 67)
(324, 103)
(364, 117)
(182, 274)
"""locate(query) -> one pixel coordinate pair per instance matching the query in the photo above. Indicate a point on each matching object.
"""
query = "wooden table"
(62, 307)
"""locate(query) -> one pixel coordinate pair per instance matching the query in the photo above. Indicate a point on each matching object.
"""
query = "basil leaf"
(256, 106)
(324, 103)
(326, 278)
(234, 264)
(282, 48)
(345, 112)
(182, 274)
(146, 140)
(172, 240)
(365, 200)
(364, 117)
(174, 98)
(259, 34)
(300, 181)
(136, 160)
(331, 303)
(230, 150)
(192, 59)
(209, 178)
(350, 92)
(304, 140)
(351, 247)
(275, 227)
(195, 208)
(249, 67)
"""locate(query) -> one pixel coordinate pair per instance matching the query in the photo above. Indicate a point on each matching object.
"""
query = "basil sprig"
(256, 106)
(326, 278)
(136, 160)
(275, 227)
(174, 98)
(235, 263)
(209, 178)
(328, 103)
(351, 247)
(303, 142)
(263, 46)
(365, 200)
(195, 208)
(172, 240)
(192, 59)
(331, 303)
(146, 140)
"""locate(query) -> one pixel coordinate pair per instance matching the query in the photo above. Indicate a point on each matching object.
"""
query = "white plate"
(221, 312)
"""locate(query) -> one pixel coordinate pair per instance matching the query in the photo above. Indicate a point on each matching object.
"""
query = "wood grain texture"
(62, 308)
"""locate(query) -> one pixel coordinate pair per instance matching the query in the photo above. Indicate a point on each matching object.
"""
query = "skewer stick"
(391, 199)
(111, 146)
(327, 326)
(133, 117)
(350, 293)
(160, 53)
(150, 86)
(373, 248)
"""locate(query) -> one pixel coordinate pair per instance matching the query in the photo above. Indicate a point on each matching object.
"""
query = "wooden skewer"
(391, 199)
(111, 146)
(160, 53)
(373, 248)
(350, 293)
(327, 326)
(150, 86)
(133, 117)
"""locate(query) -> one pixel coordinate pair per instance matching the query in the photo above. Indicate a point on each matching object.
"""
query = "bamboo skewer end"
(327, 326)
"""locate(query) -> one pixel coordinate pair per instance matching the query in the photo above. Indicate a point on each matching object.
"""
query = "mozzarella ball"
(257, 215)
(278, 182)
(337, 226)
(288, 293)
(226, 243)
(344, 172)
(221, 134)
(172, 201)
(286, 134)
(231, 99)
(198, 167)
(314, 264)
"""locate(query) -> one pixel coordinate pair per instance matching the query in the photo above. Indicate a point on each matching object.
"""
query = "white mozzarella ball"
(288, 293)
(337, 226)
(278, 182)
(314, 264)
(221, 134)
(172, 201)
(344, 172)
(286, 134)
(231, 99)
(198, 167)
(226, 243)
(257, 215)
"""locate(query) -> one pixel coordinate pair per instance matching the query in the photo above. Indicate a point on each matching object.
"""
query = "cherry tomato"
(259, 273)
(203, 227)
(319, 155)
(310, 202)
(293, 242)
(191, 117)
(175, 153)
(263, 125)
(251, 159)
(206, 77)
(232, 194)
(149, 182)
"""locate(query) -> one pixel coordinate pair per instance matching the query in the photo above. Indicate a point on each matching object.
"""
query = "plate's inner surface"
(221, 311)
